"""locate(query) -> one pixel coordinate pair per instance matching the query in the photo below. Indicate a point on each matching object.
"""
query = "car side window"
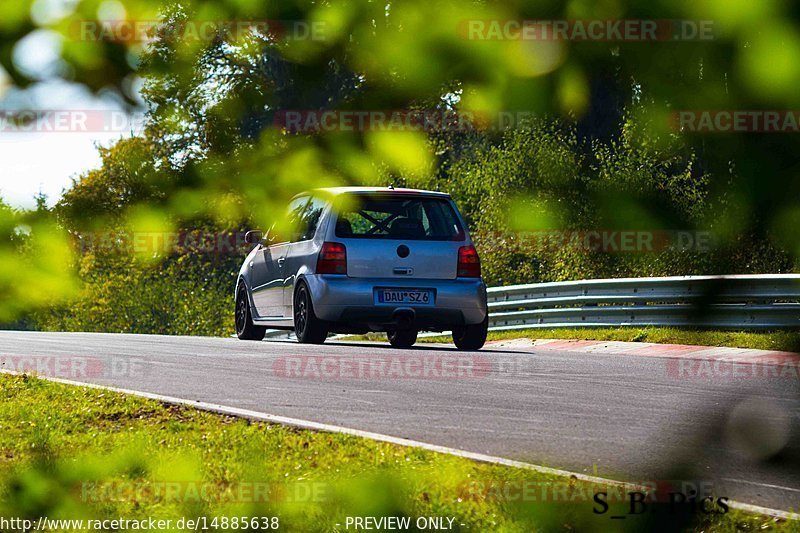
(294, 215)
(310, 219)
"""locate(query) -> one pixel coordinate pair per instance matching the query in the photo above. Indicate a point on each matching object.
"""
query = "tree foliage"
(214, 153)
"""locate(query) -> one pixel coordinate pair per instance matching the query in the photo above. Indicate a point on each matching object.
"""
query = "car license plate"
(403, 296)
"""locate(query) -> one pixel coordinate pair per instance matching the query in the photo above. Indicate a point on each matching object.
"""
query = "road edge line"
(380, 437)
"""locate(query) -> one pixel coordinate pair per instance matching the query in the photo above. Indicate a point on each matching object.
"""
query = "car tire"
(471, 337)
(402, 338)
(245, 329)
(307, 327)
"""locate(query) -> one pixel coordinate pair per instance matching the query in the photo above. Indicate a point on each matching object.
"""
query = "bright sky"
(44, 160)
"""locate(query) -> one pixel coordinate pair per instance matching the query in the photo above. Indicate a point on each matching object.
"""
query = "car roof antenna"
(391, 186)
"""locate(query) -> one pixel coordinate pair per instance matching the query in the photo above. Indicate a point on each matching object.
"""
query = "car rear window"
(398, 217)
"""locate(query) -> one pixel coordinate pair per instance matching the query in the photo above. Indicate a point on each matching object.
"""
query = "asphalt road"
(618, 416)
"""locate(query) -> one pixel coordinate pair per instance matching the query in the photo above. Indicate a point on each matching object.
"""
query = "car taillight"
(469, 264)
(332, 259)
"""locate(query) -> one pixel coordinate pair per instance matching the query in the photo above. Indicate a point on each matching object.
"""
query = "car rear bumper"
(350, 301)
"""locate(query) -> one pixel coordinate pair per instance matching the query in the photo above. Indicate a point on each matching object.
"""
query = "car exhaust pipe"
(404, 318)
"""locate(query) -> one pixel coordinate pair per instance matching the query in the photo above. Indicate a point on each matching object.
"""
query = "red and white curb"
(692, 361)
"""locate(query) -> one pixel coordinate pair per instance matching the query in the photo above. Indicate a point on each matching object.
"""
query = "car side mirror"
(253, 237)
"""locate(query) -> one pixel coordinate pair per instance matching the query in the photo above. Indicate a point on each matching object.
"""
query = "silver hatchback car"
(364, 259)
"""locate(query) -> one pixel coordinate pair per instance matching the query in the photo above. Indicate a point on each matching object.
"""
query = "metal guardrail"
(768, 301)
(280, 335)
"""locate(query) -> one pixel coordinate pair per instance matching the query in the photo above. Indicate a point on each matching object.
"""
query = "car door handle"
(281, 260)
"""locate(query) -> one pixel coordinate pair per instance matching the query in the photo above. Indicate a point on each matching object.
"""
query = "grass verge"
(78, 453)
